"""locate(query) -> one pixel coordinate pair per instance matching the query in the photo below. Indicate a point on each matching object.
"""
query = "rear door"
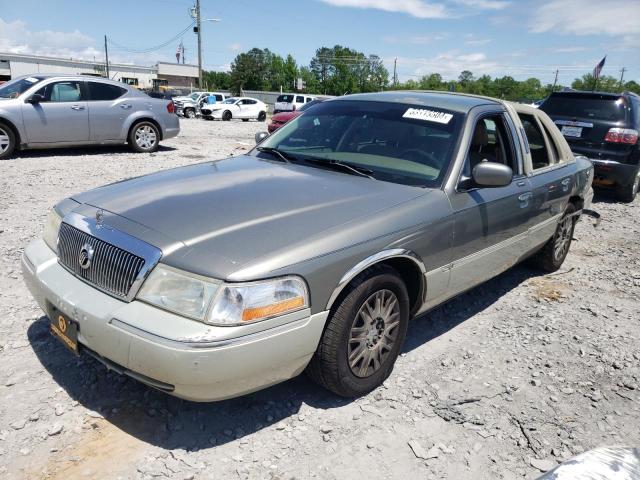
(585, 118)
(62, 116)
(109, 107)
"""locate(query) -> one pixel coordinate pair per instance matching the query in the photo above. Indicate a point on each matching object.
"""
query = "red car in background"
(279, 119)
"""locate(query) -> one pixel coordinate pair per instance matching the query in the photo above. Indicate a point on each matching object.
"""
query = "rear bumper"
(182, 357)
(612, 174)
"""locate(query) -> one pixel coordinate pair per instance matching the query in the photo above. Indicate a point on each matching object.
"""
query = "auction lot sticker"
(427, 115)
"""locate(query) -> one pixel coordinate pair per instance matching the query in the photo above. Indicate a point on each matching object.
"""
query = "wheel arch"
(14, 129)
(137, 120)
(408, 265)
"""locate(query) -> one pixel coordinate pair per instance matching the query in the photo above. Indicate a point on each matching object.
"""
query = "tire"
(628, 194)
(190, 113)
(226, 116)
(262, 116)
(7, 141)
(551, 257)
(144, 137)
(348, 368)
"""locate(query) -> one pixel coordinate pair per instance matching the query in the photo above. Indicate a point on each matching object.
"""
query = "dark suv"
(604, 128)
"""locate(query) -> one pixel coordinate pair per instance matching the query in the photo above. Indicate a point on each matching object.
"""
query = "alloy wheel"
(146, 137)
(373, 333)
(563, 238)
(5, 142)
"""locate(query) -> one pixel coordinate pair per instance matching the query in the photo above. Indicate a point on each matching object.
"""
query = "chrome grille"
(112, 269)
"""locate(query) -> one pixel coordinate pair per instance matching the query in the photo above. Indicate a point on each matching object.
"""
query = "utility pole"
(106, 56)
(395, 71)
(624, 69)
(199, 32)
(555, 81)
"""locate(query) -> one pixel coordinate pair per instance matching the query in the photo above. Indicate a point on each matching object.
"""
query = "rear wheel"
(7, 141)
(226, 116)
(552, 255)
(190, 113)
(364, 334)
(628, 194)
(262, 116)
(144, 137)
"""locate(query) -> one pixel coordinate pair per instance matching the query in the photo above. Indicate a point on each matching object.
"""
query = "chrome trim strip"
(372, 260)
(124, 241)
(569, 123)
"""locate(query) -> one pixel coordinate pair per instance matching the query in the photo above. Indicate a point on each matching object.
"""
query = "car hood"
(216, 217)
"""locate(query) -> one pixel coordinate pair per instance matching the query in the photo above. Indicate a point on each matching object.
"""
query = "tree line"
(341, 70)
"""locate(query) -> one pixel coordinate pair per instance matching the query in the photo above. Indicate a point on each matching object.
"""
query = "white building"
(163, 74)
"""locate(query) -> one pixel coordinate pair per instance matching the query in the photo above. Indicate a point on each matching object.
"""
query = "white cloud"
(15, 37)
(484, 4)
(416, 39)
(448, 64)
(235, 47)
(588, 17)
(415, 8)
(475, 41)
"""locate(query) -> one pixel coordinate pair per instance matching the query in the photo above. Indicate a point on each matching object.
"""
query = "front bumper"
(186, 358)
(612, 174)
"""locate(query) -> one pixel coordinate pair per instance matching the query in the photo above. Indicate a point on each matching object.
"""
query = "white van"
(289, 102)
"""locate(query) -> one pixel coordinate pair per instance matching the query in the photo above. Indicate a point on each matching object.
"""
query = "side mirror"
(260, 136)
(35, 98)
(491, 174)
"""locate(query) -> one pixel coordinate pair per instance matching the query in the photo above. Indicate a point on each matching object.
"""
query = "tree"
(251, 70)
(217, 80)
(605, 83)
(433, 81)
(465, 79)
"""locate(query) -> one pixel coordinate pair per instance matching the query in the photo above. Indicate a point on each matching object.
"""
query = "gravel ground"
(503, 382)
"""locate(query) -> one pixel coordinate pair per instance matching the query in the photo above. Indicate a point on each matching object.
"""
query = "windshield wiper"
(345, 167)
(284, 156)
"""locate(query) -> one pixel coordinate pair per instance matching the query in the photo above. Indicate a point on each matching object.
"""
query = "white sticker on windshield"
(32, 79)
(427, 115)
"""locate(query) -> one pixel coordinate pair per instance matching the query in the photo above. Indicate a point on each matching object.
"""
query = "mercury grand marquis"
(311, 252)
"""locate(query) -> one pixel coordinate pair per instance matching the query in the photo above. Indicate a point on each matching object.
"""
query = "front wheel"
(144, 137)
(628, 194)
(552, 255)
(7, 141)
(190, 113)
(262, 116)
(226, 116)
(364, 335)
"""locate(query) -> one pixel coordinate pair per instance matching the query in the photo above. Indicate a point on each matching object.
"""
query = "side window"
(299, 99)
(219, 98)
(555, 158)
(250, 102)
(491, 142)
(59, 92)
(309, 99)
(539, 154)
(104, 91)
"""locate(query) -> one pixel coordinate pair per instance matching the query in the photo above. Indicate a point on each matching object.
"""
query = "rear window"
(596, 107)
(105, 91)
(285, 98)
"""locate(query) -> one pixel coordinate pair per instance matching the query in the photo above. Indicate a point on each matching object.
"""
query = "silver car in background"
(43, 111)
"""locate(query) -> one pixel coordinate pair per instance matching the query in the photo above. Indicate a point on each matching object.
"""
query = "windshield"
(285, 98)
(17, 87)
(230, 100)
(408, 144)
(308, 104)
(194, 96)
(594, 106)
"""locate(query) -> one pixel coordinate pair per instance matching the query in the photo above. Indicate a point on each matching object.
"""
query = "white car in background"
(290, 102)
(245, 108)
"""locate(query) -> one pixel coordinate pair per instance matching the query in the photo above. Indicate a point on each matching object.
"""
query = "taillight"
(171, 108)
(622, 135)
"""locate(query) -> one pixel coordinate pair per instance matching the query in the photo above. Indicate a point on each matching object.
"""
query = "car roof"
(457, 102)
(586, 93)
(62, 76)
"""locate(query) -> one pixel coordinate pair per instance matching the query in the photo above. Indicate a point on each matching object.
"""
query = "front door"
(490, 224)
(61, 117)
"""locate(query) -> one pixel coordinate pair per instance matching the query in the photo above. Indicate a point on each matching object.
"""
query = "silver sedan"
(43, 111)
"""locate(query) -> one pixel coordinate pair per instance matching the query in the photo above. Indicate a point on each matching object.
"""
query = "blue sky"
(498, 37)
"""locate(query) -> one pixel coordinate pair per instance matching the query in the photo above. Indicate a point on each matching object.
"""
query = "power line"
(154, 48)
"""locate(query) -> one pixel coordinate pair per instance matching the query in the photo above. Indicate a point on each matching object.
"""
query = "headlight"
(178, 292)
(251, 302)
(51, 228)
(223, 304)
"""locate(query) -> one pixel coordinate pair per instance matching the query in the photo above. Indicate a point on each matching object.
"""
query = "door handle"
(525, 196)
(77, 107)
(521, 183)
(125, 105)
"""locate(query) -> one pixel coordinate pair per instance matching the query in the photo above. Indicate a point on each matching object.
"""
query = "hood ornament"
(99, 218)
